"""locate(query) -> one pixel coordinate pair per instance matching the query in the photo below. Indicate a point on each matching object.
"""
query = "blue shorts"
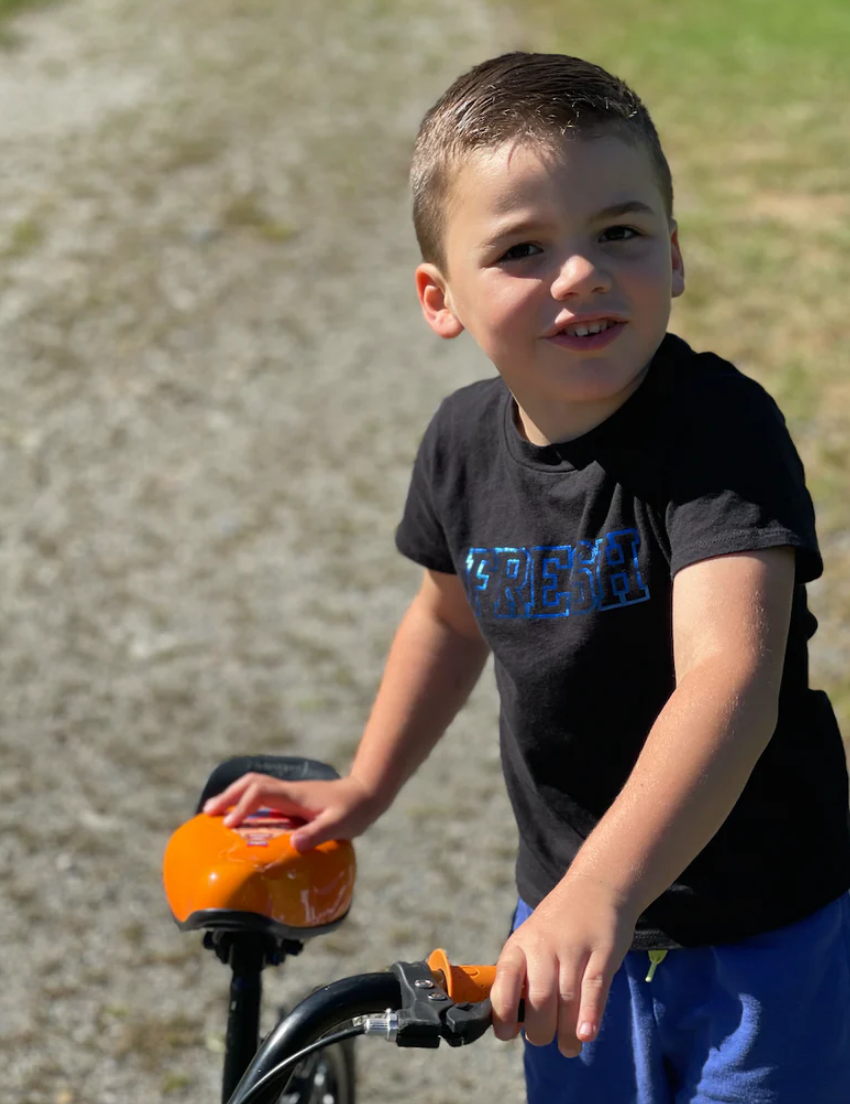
(763, 1021)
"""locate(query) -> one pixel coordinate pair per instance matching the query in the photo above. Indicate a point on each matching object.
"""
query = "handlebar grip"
(462, 983)
(466, 984)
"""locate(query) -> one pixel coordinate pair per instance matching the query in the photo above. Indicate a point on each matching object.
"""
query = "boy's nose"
(579, 275)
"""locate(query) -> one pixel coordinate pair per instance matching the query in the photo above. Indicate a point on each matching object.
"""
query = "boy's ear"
(678, 262)
(435, 300)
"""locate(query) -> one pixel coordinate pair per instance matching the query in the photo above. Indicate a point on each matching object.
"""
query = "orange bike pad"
(254, 868)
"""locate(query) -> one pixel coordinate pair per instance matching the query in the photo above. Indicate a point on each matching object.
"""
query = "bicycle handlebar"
(414, 1004)
(314, 1017)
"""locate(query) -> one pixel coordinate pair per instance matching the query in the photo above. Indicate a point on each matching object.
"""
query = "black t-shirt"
(568, 553)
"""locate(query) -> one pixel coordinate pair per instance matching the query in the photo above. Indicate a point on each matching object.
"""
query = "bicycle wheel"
(326, 1077)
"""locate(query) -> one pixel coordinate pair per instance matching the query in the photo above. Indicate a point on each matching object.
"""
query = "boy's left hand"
(565, 956)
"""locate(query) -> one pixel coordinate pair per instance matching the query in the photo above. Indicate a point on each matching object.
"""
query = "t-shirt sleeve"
(737, 482)
(420, 535)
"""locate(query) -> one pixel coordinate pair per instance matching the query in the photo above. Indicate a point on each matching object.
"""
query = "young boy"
(624, 523)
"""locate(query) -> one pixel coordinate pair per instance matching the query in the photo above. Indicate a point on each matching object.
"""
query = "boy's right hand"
(338, 809)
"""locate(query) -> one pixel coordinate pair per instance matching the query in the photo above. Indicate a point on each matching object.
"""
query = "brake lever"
(468, 1022)
(427, 1014)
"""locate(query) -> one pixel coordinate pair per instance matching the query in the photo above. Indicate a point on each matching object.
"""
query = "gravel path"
(214, 378)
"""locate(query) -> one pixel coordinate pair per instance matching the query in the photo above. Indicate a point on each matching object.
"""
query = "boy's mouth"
(582, 330)
(590, 333)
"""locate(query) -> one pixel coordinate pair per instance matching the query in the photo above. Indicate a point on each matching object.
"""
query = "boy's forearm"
(430, 672)
(692, 770)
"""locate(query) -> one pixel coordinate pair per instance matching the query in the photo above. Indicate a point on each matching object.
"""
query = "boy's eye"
(520, 252)
(620, 233)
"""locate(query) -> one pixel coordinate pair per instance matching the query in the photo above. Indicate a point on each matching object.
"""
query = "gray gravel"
(214, 377)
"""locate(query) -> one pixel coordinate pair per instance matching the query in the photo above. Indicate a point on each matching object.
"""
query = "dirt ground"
(214, 377)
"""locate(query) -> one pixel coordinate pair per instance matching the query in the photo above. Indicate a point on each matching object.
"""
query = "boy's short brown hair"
(538, 97)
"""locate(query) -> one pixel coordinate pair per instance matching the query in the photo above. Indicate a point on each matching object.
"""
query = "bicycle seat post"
(246, 957)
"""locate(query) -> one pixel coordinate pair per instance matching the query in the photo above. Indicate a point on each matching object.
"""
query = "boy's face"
(542, 247)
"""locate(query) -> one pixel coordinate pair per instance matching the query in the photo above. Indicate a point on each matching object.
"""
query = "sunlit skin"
(536, 240)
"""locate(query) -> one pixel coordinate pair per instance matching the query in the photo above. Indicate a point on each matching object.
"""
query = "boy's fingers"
(594, 993)
(220, 801)
(325, 827)
(232, 794)
(541, 1002)
(506, 992)
(251, 799)
(251, 792)
(259, 793)
(569, 999)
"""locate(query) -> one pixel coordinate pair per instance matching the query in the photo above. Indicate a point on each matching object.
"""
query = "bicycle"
(257, 900)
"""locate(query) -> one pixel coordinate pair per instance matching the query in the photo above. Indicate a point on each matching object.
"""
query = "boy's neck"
(553, 424)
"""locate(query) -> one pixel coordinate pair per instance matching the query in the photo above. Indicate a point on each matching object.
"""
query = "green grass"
(8, 10)
(12, 7)
(25, 236)
(752, 101)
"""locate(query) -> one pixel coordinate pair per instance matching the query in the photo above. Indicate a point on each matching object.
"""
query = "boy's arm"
(435, 660)
(730, 627)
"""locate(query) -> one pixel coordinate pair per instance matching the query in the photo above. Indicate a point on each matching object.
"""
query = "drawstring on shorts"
(655, 960)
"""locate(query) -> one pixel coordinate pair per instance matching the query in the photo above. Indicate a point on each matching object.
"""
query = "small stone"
(203, 235)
